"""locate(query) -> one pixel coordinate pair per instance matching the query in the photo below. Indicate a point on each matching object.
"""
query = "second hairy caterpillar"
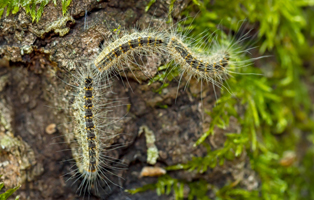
(124, 50)
(90, 137)
(211, 67)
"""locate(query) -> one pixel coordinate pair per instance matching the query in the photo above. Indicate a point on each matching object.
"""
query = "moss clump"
(33, 7)
(7, 193)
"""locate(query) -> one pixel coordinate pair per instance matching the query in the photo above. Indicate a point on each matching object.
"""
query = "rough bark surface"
(30, 156)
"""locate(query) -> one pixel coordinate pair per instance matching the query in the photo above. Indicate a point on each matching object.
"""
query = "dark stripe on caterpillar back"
(89, 125)
(195, 63)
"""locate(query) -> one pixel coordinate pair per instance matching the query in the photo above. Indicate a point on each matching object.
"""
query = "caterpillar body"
(212, 67)
(107, 58)
(123, 50)
(208, 67)
(91, 137)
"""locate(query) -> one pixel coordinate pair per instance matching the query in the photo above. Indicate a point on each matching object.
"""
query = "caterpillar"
(125, 51)
(200, 66)
(90, 137)
(209, 67)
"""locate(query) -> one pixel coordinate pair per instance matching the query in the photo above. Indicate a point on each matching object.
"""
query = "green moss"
(7, 193)
(166, 73)
(149, 5)
(33, 7)
(165, 185)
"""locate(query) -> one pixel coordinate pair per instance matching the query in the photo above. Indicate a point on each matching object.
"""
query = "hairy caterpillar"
(91, 136)
(87, 134)
(119, 49)
(208, 67)
(130, 49)
(205, 58)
